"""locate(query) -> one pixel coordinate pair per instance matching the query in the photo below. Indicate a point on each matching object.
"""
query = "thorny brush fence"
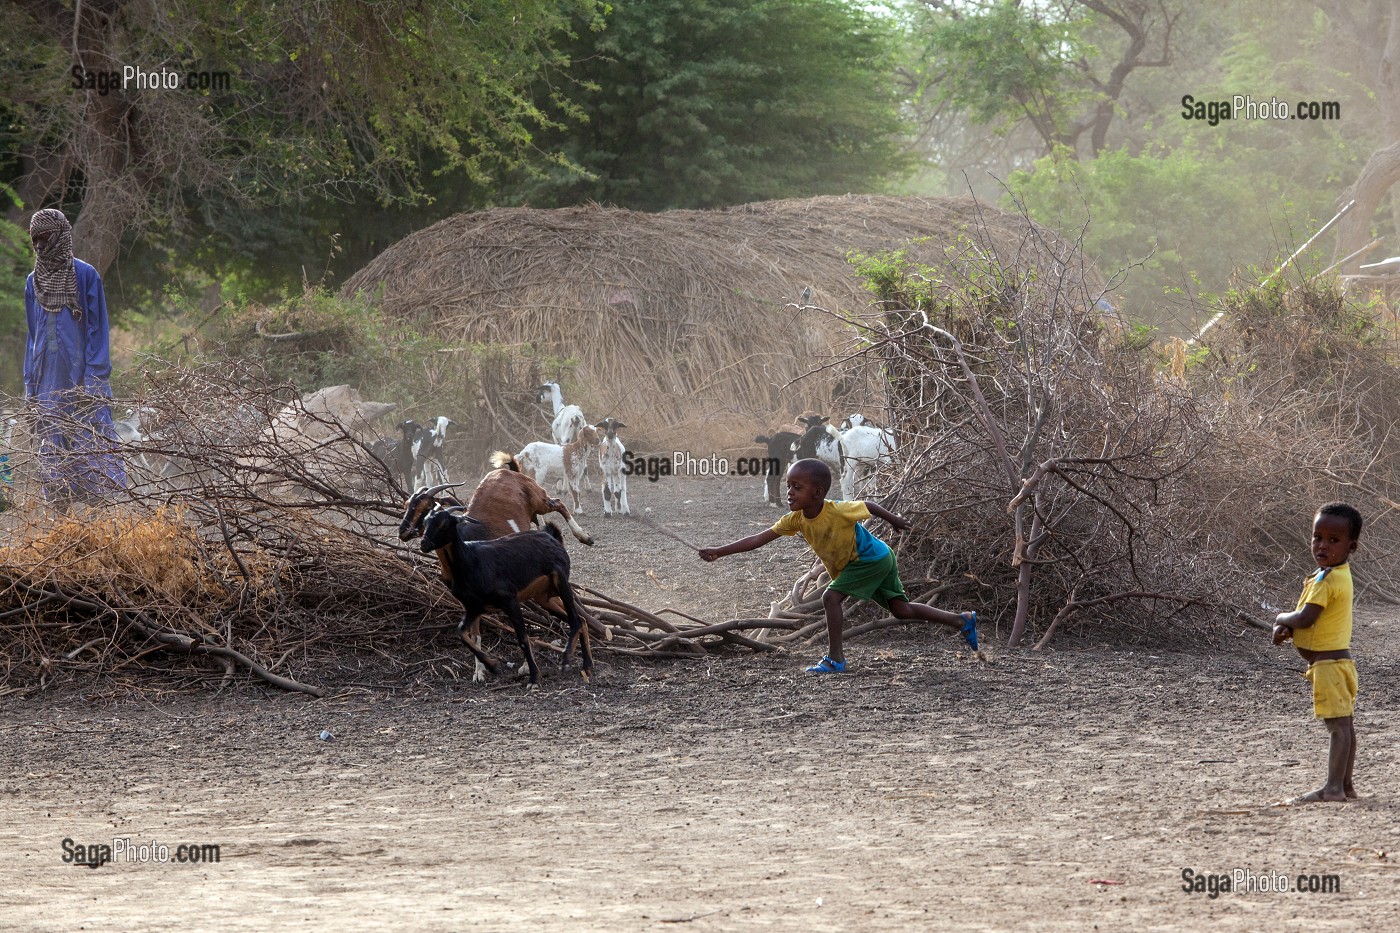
(1047, 464)
(1061, 474)
(257, 534)
(1305, 391)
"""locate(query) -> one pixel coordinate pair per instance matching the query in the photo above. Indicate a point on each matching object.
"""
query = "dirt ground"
(1061, 790)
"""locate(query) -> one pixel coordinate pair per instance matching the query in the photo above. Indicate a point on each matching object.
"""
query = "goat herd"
(852, 453)
(485, 555)
(416, 458)
(488, 552)
(489, 559)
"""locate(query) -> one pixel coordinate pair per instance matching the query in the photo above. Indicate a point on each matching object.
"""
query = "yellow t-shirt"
(834, 535)
(1332, 591)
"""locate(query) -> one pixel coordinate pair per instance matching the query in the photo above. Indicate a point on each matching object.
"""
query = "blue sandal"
(827, 666)
(969, 631)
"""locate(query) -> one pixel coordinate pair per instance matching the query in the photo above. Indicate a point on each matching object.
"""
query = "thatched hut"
(683, 324)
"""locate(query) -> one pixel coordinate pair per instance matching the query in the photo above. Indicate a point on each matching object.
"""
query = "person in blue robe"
(68, 368)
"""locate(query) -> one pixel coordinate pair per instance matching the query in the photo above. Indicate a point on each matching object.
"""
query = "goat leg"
(479, 671)
(517, 620)
(578, 631)
(556, 505)
(469, 629)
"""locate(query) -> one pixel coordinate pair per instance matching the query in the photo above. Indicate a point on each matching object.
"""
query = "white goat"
(820, 441)
(428, 451)
(867, 448)
(560, 463)
(610, 458)
(568, 419)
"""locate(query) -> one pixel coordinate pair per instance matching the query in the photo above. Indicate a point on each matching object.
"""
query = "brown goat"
(505, 502)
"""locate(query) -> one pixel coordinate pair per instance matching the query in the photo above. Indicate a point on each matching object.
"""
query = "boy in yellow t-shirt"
(1321, 631)
(860, 564)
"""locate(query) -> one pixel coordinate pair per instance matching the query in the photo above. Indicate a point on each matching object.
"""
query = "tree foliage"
(1061, 68)
(1183, 203)
(325, 98)
(698, 103)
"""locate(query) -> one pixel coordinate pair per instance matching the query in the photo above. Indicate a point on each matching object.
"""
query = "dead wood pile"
(1060, 474)
(1306, 388)
(240, 548)
(680, 321)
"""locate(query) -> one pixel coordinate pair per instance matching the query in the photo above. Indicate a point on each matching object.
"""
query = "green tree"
(1062, 69)
(699, 103)
(326, 99)
(1195, 202)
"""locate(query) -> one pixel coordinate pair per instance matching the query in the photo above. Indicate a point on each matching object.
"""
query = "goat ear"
(618, 424)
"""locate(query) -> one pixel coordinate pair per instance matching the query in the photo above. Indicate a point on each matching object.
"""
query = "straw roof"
(677, 320)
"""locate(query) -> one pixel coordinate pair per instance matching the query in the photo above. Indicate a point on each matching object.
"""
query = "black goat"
(821, 442)
(401, 456)
(779, 445)
(500, 573)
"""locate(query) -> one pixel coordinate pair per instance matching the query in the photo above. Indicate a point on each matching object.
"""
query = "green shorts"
(876, 580)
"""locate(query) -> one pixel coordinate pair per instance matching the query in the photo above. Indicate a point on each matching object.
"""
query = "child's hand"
(710, 554)
(1282, 633)
(899, 524)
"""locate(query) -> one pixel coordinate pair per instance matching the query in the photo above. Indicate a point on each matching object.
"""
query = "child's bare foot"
(1321, 795)
(1350, 792)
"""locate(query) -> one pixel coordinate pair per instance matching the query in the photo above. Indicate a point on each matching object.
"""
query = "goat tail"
(501, 459)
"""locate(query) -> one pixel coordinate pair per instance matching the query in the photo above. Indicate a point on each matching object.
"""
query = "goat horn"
(437, 489)
(453, 509)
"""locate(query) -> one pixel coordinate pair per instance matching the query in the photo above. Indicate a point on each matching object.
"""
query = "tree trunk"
(1380, 172)
(112, 194)
(1382, 169)
(104, 152)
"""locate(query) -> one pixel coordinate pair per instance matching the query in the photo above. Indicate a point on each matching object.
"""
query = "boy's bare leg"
(1347, 787)
(1339, 757)
(835, 621)
(903, 609)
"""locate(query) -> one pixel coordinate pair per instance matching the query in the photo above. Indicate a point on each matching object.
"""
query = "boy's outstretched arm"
(879, 511)
(738, 547)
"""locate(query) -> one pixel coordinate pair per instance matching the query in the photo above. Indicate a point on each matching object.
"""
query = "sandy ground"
(1062, 790)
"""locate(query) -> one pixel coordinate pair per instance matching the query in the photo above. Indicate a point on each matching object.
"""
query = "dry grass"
(684, 324)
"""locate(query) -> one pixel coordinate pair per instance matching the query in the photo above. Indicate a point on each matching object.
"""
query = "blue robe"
(67, 373)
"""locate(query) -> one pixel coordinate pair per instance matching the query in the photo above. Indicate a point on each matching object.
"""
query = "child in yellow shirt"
(859, 564)
(1321, 631)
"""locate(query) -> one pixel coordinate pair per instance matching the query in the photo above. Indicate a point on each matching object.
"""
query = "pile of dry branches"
(242, 545)
(1050, 466)
(1063, 473)
(1305, 391)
